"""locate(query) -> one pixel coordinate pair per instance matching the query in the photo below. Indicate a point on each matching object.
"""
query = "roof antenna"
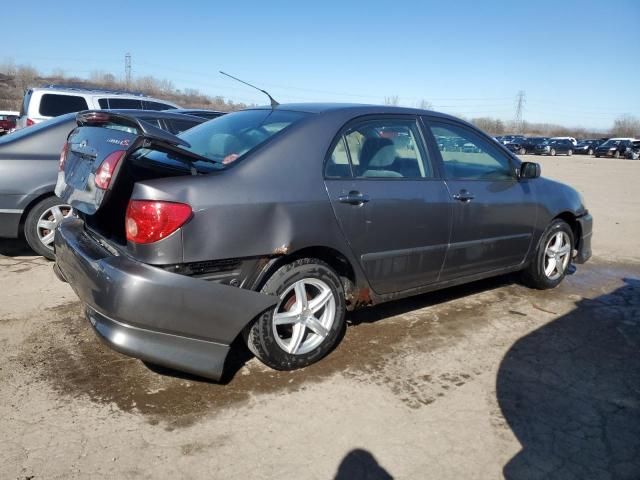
(274, 104)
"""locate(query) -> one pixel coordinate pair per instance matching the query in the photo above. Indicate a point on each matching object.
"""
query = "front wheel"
(41, 223)
(616, 154)
(552, 258)
(522, 151)
(590, 151)
(552, 152)
(308, 321)
(569, 152)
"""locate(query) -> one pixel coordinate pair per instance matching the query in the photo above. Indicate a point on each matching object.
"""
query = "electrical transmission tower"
(127, 70)
(519, 121)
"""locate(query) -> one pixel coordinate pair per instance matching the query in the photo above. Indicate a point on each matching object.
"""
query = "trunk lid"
(99, 136)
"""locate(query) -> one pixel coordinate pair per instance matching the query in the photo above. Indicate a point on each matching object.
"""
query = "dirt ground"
(487, 380)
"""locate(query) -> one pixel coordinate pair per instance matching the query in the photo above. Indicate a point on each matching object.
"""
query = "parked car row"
(603, 147)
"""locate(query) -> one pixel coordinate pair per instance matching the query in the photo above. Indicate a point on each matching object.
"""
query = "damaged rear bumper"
(148, 313)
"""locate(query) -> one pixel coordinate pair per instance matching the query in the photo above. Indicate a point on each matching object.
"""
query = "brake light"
(63, 156)
(107, 168)
(148, 221)
(30, 122)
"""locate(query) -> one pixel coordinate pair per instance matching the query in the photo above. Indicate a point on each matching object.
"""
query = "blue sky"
(577, 61)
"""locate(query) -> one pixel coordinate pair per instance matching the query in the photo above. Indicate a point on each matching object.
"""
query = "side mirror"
(529, 170)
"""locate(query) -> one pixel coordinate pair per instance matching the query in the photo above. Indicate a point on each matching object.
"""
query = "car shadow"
(570, 391)
(360, 464)
(15, 247)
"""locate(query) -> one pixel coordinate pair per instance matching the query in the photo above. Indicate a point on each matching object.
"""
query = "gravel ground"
(486, 380)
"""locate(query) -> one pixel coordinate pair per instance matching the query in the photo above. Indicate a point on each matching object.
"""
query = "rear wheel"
(552, 152)
(41, 223)
(308, 321)
(522, 151)
(590, 151)
(569, 152)
(616, 154)
(552, 258)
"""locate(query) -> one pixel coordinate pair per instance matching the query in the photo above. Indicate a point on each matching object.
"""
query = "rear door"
(493, 213)
(390, 201)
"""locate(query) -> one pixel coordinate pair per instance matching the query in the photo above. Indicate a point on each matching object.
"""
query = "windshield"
(237, 133)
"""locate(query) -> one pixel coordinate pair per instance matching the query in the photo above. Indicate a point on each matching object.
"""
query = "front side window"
(468, 156)
(53, 104)
(380, 149)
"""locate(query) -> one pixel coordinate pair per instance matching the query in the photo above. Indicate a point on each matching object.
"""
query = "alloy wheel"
(49, 221)
(304, 316)
(557, 254)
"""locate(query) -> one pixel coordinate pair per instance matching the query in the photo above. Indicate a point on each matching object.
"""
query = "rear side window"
(380, 149)
(468, 156)
(53, 104)
(125, 103)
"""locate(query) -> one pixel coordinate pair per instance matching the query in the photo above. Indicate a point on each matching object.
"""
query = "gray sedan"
(271, 223)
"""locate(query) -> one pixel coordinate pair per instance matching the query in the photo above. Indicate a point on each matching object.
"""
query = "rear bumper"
(584, 243)
(148, 313)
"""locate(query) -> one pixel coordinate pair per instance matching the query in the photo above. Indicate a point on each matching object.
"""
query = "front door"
(391, 205)
(493, 213)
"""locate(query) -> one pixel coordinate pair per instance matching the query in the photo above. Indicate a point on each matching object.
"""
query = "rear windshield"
(227, 138)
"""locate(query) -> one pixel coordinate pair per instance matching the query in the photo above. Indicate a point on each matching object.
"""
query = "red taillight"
(63, 156)
(148, 221)
(30, 122)
(107, 168)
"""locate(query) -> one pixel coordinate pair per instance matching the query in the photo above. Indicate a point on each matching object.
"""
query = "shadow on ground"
(361, 465)
(15, 248)
(570, 392)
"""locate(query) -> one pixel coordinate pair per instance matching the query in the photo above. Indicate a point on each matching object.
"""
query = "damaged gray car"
(271, 223)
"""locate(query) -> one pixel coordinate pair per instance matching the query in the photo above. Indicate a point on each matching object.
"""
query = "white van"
(573, 140)
(43, 103)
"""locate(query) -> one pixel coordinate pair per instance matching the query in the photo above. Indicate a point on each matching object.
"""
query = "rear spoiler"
(146, 130)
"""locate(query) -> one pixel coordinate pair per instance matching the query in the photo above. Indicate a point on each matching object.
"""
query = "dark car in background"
(614, 147)
(555, 147)
(176, 252)
(29, 169)
(525, 145)
(587, 147)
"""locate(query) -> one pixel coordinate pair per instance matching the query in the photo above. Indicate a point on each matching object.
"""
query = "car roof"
(353, 108)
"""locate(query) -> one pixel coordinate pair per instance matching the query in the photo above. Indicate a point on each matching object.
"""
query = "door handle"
(463, 196)
(354, 198)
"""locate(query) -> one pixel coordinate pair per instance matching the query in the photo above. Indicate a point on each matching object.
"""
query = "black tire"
(533, 275)
(260, 335)
(569, 152)
(597, 156)
(31, 226)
